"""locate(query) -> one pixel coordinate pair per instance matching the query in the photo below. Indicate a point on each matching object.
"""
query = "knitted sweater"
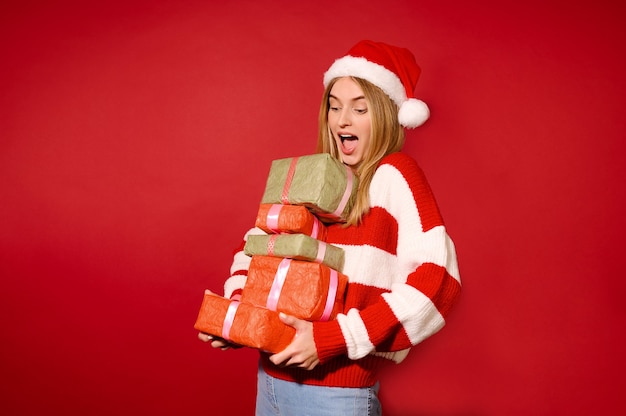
(403, 280)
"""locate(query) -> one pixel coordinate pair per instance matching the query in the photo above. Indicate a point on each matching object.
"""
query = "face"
(349, 120)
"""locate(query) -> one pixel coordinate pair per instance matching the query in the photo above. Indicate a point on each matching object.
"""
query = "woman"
(400, 261)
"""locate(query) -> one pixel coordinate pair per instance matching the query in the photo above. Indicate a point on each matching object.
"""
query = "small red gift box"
(304, 289)
(290, 219)
(243, 324)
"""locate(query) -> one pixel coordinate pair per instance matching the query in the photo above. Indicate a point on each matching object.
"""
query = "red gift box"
(304, 289)
(243, 323)
(290, 219)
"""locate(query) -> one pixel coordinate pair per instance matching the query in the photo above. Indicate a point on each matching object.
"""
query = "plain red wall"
(135, 139)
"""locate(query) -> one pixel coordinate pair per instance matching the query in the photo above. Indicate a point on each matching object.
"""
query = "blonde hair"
(387, 136)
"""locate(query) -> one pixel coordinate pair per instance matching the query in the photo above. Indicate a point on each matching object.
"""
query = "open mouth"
(347, 137)
(349, 143)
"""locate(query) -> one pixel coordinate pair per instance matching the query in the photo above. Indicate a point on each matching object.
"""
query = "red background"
(135, 140)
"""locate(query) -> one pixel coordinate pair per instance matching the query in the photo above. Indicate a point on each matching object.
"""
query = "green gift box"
(297, 247)
(320, 182)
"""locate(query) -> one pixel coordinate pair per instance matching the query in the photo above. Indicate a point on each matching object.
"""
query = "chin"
(350, 161)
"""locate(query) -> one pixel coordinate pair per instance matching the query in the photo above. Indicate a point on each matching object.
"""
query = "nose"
(344, 118)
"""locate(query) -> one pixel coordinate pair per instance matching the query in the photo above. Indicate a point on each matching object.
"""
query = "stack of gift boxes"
(292, 268)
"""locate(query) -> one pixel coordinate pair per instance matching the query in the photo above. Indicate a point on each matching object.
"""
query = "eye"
(360, 110)
(333, 109)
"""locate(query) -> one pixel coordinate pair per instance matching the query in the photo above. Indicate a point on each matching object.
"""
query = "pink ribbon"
(270, 244)
(272, 217)
(346, 194)
(277, 284)
(228, 320)
(321, 252)
(290, 173)
(316, 227)
(332, 292)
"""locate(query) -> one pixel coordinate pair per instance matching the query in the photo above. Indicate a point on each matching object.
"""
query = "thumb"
(288, 319)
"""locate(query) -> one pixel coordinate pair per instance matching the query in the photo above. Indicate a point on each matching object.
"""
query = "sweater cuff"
(234, 285)
(329, 340)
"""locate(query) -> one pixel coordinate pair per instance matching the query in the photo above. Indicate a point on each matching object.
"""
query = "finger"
(204, 337)
(276, 359)
(219, 343)
(281, 358)
(288, 319)
(309, 366)
(293, 361)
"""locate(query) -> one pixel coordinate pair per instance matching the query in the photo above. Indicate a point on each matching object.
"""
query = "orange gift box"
(304, 289)
(243, 324)
(290, 219)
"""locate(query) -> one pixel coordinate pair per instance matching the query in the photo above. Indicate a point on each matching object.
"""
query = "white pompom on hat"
(390, 68)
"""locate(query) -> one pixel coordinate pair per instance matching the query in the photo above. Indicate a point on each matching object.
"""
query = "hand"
(217, 342)
(302, 351)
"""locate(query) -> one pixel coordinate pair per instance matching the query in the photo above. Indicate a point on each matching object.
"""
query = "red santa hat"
(390, 68)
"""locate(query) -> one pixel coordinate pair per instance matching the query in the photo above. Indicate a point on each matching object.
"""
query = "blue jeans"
(277, 397)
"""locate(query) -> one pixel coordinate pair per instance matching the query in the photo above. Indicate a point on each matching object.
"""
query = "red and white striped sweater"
(403, 280)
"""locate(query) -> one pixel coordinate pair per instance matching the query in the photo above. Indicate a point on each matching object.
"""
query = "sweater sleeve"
(239, 268)
(403, 284)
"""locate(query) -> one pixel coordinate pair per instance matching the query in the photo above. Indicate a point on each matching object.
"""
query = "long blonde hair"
(387, 136)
